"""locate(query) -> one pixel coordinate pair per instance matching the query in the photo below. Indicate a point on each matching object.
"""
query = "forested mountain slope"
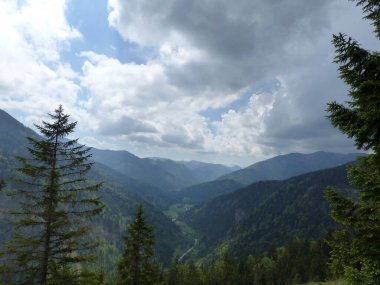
(267, 213)
(208, 190)
(277, 168)
(289, 165)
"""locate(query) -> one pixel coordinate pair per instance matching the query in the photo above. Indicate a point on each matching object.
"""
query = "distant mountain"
(205, 172)
(289, 165)
(162, 173)
(149, 193)
(277, 168)
(266, 213)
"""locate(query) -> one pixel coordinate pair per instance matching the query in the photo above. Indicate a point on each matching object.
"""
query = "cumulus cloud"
(233, 44)
(126, 125)
(216, 51)
(32, 76)
(206, 57)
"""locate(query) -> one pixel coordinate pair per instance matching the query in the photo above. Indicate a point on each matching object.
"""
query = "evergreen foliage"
(49, 239)
(356, 249)
(300, 261)
(251, 219)
(138, 265)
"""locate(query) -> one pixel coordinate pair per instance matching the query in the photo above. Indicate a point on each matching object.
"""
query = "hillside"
(166, 174)
(289, 165)
(266, 213)
(13, 135)
(208, 190)
(277, 168)
(120, 194)
(205, 172)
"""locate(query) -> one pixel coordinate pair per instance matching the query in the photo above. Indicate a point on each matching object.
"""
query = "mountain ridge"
(288, 165)
(266, 213)
(276, 168)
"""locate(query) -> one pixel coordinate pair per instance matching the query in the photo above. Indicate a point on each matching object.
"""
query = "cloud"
(202, 88)
(231, 44)
(126, 125)
(32, 76)
(215, 52)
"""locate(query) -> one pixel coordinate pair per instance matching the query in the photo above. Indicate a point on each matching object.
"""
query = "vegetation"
(300, 261)
(356, 249)
(120, 196)
(267, 213)
(55, 198)
(334, 282)
(138, 265)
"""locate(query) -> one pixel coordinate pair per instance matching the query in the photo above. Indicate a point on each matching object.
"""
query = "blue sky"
(91, 19)
(220, 81)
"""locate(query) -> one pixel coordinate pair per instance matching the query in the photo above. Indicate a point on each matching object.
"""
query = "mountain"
(208, 190)
(285, 166)
(166, 174)
(155, 196)
(277, 168)
(252, 219)
(120, 194)
(205, 172)
(149, 171)
(13, 135)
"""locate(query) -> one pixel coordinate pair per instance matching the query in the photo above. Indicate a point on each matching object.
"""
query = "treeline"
(300, 261)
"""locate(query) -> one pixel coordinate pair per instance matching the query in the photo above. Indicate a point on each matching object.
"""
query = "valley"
(198, 209)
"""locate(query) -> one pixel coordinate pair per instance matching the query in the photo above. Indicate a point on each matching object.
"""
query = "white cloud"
(208, 55)
(214, 52)
(32, 77)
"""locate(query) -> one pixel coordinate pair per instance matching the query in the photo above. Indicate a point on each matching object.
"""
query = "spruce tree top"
(360, 69)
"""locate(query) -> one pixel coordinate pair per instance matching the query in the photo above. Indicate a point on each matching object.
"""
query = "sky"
(220, 81)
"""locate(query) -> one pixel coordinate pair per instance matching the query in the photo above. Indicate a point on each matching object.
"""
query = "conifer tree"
(51, 225)
(356, 250)
(138, 265)
(173, 273)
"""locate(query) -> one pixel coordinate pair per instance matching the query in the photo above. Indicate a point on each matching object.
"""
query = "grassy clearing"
(175, 210)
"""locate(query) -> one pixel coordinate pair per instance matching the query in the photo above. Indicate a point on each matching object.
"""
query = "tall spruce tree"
(138, 265)
(51, 224)
(356, 250)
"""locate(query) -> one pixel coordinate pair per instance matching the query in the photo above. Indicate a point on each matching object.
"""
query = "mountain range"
(267, 213)
(166, 174)
(246, 210)
(277, 168)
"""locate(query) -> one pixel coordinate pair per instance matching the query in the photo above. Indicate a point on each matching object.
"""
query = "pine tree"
(51, 225)
(173, 274)
(356, 250)
(138, 265)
